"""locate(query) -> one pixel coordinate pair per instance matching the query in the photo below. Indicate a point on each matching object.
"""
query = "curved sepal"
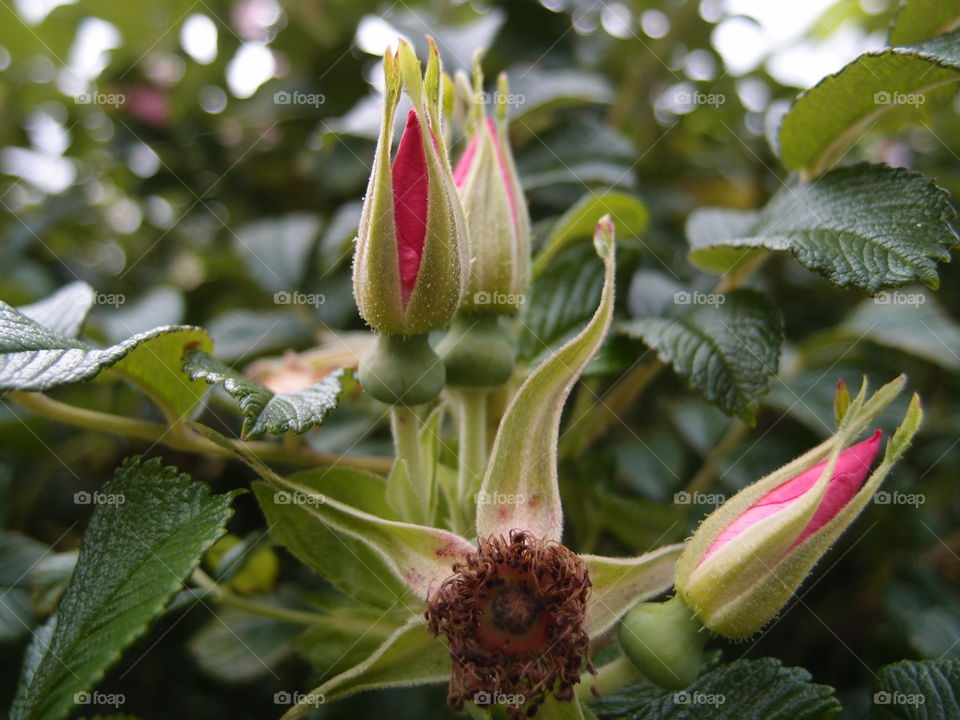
(410, 656)
(620, 583)
(521, 479)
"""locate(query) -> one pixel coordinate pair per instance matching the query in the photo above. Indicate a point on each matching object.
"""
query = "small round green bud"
(477, 351)
(664, 640)
(402, 370)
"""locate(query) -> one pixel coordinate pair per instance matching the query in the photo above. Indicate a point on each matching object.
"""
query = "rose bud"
(410, 250)
(737, 574)
(477, 351)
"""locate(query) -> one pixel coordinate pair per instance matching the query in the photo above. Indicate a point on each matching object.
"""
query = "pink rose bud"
(748, 557)
(408, 269)
(498, 222)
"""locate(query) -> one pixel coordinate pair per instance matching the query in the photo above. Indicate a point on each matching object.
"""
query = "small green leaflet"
(866, 226)
(143, 540)
(262, 409)
(727, 346)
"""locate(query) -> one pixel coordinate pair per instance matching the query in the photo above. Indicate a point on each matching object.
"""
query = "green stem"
(609, 678)
(405, 424)
(224, 596)
(472, 461)
(181, 437)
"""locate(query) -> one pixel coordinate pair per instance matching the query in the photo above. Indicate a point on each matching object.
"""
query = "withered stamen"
(513, 615)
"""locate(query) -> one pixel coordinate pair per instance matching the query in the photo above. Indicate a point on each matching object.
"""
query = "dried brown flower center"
(514, 608)
(513, 614)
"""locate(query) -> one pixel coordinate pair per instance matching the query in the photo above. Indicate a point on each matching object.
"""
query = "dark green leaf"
(144, 538)
(867, 227)
(726, 347)
(918, 690)
(19, 554)
(744, 690)
(276, 250)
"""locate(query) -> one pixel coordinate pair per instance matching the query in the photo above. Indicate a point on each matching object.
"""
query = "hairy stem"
(405, 424)
(472, 461)
(181, 437)
(609, 678)
(226, 597)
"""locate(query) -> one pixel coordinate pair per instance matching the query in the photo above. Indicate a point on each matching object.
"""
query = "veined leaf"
(64, 311)
(141, 543)
(829, 117)
(866, 226)
(726, 350)
(262, 409)
(918, 690)
(744, 690)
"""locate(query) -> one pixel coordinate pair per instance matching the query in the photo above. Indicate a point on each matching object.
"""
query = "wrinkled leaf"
(135, 555)
(726, 350)
(262, 409)
(918, 690)
(866, 226)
